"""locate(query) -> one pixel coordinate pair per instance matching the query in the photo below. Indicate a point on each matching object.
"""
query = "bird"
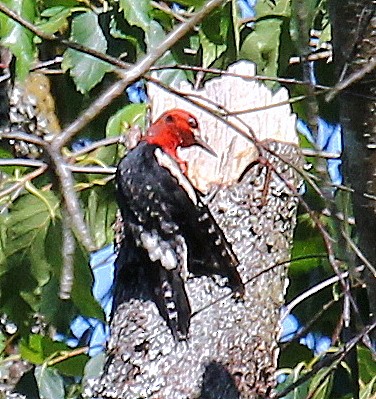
(168, 233)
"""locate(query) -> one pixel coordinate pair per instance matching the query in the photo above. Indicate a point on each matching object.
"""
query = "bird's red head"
(173, 129)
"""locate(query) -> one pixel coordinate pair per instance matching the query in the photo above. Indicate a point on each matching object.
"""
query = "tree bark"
(232, 348)
(354, 34)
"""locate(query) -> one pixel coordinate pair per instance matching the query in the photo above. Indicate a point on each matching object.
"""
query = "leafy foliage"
(31, 214)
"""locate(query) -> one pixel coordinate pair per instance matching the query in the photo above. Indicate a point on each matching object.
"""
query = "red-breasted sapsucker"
(168, 233)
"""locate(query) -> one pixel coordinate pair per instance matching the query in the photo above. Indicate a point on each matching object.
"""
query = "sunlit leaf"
(368, 391)
(50, 383)
(100, 214)
(169, 77)
(81, 290)
(137, 12)
(86, 70)
(26, 228)
(56, 19)
(367, 364)
(38, 349)
(17, 38)
(321, 384)
(31, 349)
(130, 115)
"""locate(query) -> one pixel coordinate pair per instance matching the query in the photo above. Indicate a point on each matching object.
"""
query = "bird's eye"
(193, 123)
(169, 118)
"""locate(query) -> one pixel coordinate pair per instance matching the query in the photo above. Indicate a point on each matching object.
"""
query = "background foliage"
(40, 241)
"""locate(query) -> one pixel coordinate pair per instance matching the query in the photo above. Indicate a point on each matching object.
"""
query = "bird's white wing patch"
(171, 253)
(168, 163)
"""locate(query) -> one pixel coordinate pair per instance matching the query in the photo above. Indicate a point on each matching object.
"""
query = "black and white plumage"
(168, 234)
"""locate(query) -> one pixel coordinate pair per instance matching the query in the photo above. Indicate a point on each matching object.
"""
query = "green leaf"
(367, 365)
(137, 13)
(100, 214)
(266, 9)
(191, 3)
(57, 19)
(293, 375)
(17, 38)
(56, 311)
(94, 366)
(49, 382)
(307, 242)
(26, 228)
(266, 44)
(262, 46)
(130, 115)
(73, 366)
(3, 342)
(81, 290)
(86, 70)
(117, 125)
(38, 349)
(169, 77)
(31, 349)
(368, 391)
(321, 385)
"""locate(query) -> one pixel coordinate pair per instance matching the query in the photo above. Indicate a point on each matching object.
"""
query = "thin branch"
(313, 290)
(97, 144)
(163, 7)
(68, 249)
(69, 195)
(95, 170)
(222, 72)
(34, 163)
(67, 355)
(319, 55)
(19, 184)
(353, 78)
(308, 152)
(21, 136)
(30, 163)
(359, 253)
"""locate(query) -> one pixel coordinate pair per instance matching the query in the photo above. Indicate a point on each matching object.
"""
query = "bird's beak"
(201, 143)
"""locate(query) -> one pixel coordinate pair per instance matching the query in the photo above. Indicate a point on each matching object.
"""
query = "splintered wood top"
(237, 101)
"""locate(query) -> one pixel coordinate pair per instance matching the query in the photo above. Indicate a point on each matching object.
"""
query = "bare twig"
(308, 152)
(67, 355)
(222, 72)
(21, 136)
(313, 290)
(34, 163)
(67, 271)
(19, 184)
(163, 7)
(69, 195)
(359, 253)
(354, 77)
(97, 144)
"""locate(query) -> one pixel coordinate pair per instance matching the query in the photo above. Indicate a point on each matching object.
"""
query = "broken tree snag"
(232, 347)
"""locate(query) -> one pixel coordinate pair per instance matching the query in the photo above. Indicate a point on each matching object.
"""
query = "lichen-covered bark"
(354, 33)
(232, 348)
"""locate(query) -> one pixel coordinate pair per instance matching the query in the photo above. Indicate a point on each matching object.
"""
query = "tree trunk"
(354, 34)
(232, 348)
